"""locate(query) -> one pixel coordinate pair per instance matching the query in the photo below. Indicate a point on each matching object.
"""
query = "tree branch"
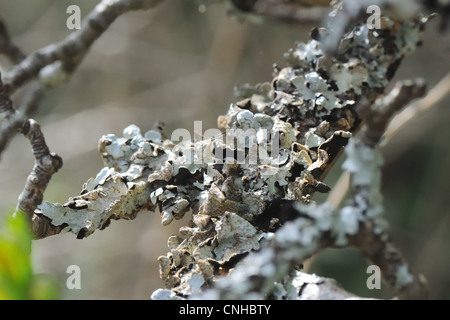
(70, 52)
(398, 123)
(53, 63)
(14, 120)
(364, 156)
(245, 198)
(416, 109)
(320, 227)
(45, 165)
(237, 203)
(379, 114)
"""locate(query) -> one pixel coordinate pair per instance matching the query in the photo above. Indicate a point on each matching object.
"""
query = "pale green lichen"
(350, 75)
(297, 124)
(363, 162)
(402, 277)
(164, 294)
(235, 235)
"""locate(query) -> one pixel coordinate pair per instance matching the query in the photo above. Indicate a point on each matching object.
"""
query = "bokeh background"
(177, 64)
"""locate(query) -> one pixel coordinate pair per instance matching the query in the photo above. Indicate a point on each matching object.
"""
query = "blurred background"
(178, 64)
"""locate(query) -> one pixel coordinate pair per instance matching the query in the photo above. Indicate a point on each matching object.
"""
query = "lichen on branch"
(272, 149)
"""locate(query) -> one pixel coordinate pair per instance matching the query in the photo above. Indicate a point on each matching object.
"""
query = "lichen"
(278, 143)
(403, 277)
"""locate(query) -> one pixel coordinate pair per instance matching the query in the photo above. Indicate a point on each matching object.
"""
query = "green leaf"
(17, 281)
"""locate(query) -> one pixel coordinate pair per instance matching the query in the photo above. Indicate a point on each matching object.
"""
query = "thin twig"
(380, 251)
(46, 164)
(379, 115)
(71, 51)
(16, 119)
(64, 57)
(7, 47)
(364, 165)
(418, 108)
(7, 112)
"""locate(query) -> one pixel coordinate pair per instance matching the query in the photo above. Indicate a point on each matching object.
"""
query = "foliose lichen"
(277, 144)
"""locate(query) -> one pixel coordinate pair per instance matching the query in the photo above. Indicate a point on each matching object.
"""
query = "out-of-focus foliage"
(17, 281)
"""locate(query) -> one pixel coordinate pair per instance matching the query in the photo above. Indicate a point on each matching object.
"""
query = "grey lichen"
(304, 286)
(259, 275)
(119, 190)
(278, 142)
(364, 163)
(403, 277)
(235, 236)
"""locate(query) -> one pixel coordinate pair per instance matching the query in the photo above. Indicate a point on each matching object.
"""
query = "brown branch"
(13, 120)
(416, 109)
(381, 251)
(7, 114)
(6, 108)
(380, 114)
(45, 165)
